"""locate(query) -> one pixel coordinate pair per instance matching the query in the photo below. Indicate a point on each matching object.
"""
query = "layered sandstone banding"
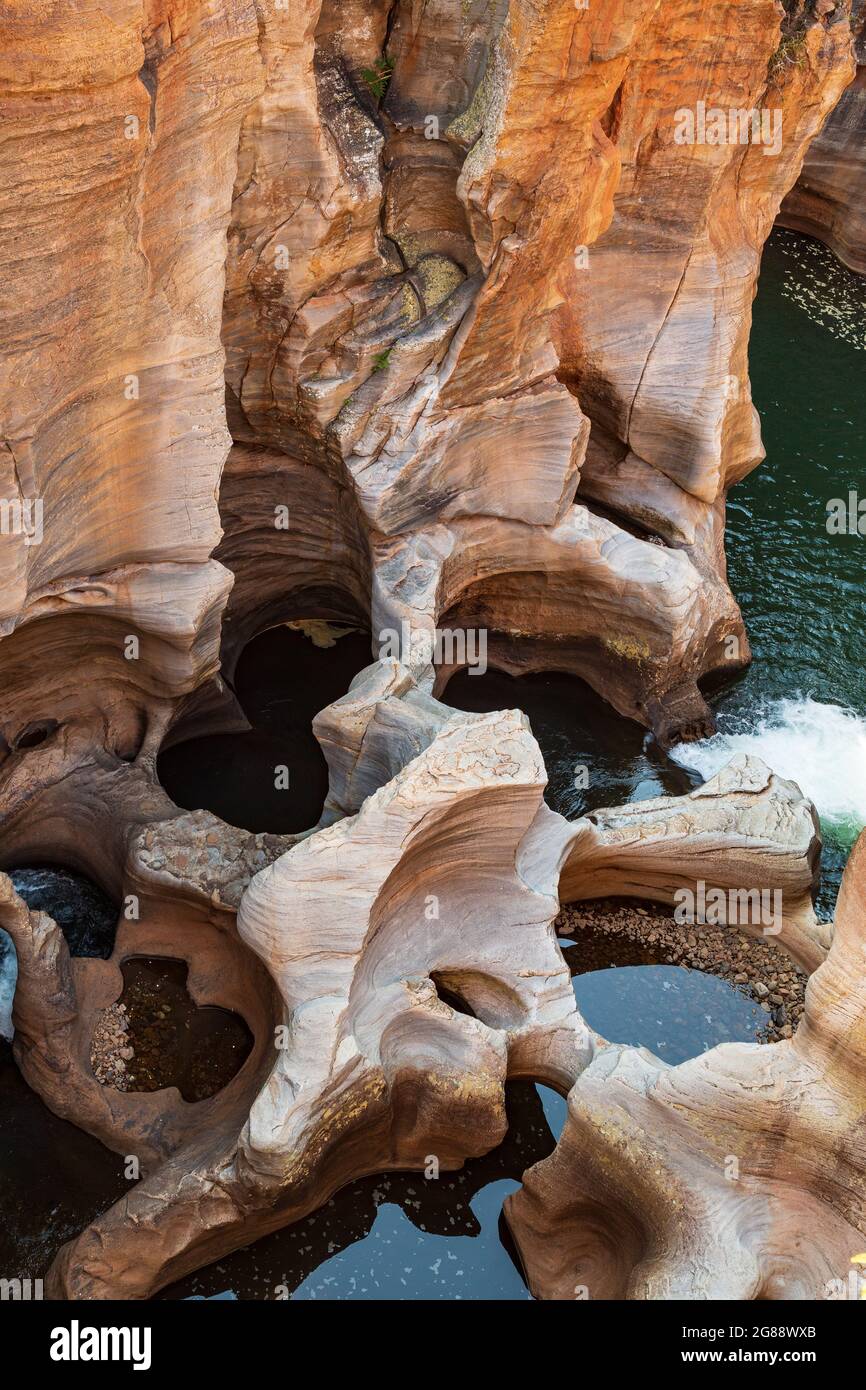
(673, 425)
(370, 1070)
(829, 199)
(737, 1175)
(120, 151)
(340, 352)
(411, 340)
(408, 317)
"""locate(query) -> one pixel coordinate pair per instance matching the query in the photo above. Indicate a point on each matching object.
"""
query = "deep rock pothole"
(643, 979)
(274, 777)
(156, 1036)
(83, 912)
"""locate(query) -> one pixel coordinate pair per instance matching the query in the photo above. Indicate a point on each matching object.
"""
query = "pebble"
(759, 968)
(109, 1048)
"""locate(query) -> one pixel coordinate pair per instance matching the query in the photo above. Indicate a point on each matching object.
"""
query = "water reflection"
(576, 730)
(399, 1235)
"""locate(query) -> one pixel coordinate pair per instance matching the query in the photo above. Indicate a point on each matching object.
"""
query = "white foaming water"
(820, 747)
(8, 976)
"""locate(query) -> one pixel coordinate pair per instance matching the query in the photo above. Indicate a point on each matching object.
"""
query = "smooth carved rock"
(340, 356)
(367, 737)
(120, 145)
(184, 874)
(737, 1175)
(59, 1001)
(247, 237)
(351, 938)
(72, 704)
(829, 198)
(647, 624)
(352, 927)
(745, 826)
(669, 400)
(293, 536)
(120, 152)
(403, 312)
(377, 1072)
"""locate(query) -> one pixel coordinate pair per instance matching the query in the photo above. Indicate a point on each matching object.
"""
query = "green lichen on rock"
(410, 309)
(791, 49)
(629, 648)
(438, 275)
(468, 125)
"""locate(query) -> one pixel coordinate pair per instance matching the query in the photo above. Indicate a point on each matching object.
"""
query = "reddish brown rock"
(673, 424)
(366, 267)
(829, 199)
(737, 1175)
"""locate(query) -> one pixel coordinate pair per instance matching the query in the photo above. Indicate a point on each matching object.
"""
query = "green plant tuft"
(378, 76)
(791, 53)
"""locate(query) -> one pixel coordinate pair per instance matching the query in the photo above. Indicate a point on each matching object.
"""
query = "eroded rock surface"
(341, 942)
(407, 316)
(829, 199)
(737, 1175)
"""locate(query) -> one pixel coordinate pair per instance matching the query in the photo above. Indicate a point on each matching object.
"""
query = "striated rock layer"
(410, 316)
(736, 1175)
(465, 285)
(829, 199)
(119, 155)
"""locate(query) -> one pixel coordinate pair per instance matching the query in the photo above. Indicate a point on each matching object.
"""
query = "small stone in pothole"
(110, 1049)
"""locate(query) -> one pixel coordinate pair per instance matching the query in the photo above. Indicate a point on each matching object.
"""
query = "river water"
(801, 706)
(283, 679)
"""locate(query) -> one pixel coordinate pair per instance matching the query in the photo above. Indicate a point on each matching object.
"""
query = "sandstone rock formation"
(413, 346)
(829, 199)
(734, 1175)
(340, 943)
(409, 317)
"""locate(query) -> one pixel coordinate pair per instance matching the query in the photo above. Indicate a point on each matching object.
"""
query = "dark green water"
(802, 704)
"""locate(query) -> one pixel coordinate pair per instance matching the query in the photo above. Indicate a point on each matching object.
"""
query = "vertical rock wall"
(829, 199)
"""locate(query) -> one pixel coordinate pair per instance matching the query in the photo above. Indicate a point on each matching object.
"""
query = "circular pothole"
(273, 777)
(643, 979)
(156, 1036)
